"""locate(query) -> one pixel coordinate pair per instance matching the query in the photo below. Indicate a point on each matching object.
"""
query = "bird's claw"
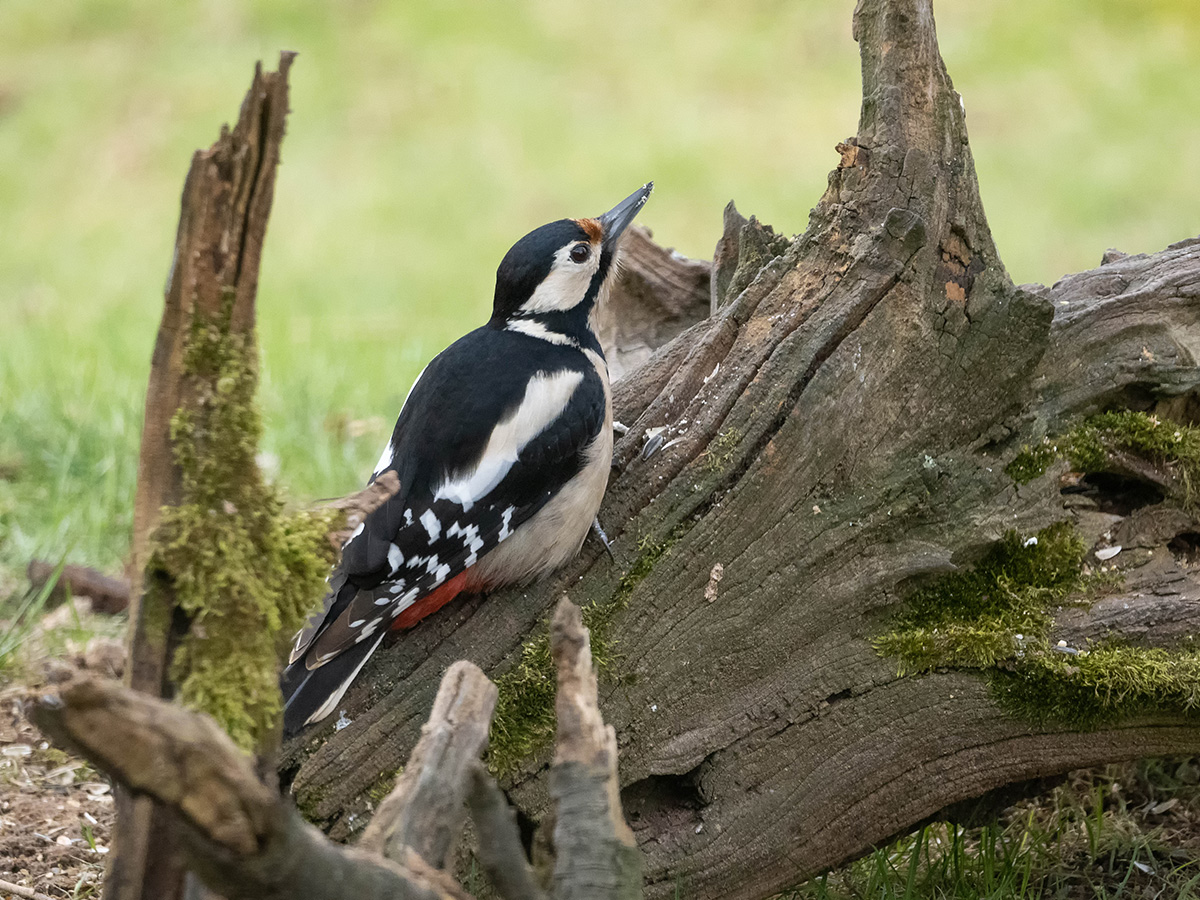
(599, 532)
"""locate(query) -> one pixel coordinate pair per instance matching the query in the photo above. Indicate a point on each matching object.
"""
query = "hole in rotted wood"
(1116, 494)
(1186, 549)
(1184, 409)
(661, 802)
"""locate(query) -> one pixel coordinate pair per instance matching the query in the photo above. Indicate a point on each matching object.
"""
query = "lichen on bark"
(244, 570)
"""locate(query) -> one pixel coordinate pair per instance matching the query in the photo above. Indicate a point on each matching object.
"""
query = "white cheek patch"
(546, 396)
(564, 288)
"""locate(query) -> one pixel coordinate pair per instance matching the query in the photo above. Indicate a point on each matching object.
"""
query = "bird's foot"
(599, 532)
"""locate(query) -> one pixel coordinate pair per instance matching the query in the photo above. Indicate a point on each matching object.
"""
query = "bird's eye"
(580, 253)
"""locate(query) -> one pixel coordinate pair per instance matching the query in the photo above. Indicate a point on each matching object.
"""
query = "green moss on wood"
(972, 619)
(1089, 445)
(245, 572)
(1031, 462)
(383, 786)
(722, 450)
(996, 619)
(1101, 686)
(523, 724)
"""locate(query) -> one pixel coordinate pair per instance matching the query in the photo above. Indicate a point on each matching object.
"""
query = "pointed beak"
(617, 219)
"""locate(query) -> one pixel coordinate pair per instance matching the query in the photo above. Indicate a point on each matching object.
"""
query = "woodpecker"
(502, 450)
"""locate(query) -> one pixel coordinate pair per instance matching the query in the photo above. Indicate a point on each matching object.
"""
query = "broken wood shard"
(427, 808)
(596, 857)
(246, 842)
(214, 276)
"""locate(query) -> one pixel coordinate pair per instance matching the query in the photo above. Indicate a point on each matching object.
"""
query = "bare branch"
(427, 809)
(596, 857)
(500, 851)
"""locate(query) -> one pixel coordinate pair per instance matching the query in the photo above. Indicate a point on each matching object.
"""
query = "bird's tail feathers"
(310, 695)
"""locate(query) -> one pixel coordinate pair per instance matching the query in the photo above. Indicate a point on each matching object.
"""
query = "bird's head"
(555, 275)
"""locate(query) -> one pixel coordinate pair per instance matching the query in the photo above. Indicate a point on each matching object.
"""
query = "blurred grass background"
(426, 137)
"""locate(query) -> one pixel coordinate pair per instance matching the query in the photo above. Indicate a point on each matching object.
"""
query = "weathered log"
(108, 594)
(834, 437)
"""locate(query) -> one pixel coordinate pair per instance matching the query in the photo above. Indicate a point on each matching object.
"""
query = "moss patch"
(973, 619)
(1089, 445)
(721, 450)
(1032, 462)
(245, 573)
(1101, 686)
(996, 619)
(523, 724)
(383, 786)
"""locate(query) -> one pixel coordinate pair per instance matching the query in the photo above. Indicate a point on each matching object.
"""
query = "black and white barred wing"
(419, 540)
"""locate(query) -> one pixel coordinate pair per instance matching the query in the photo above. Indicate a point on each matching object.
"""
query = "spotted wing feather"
(416, 542)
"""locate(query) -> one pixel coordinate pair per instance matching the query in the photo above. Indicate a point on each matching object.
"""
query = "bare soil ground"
(55, 812)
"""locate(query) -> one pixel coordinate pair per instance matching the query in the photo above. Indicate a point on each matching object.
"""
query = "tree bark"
(222, 225)
(834, 435)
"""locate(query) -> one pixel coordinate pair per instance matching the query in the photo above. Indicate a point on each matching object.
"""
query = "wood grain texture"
(596, 857)
(427, 808)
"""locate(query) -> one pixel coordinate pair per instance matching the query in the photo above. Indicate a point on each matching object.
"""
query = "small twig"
(596, 856)
(499, 847)
(426, 809)
(29, 893)
(108, 594)
(358, 506)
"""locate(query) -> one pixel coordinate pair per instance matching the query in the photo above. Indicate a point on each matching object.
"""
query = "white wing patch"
(546, 395)
(472, 542)
(430, 520)
(385, 459)
(357, 532)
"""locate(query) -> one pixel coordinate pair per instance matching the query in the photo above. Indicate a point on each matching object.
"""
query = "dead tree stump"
(804, 466)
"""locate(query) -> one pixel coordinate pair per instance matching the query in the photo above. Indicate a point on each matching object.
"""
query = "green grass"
(26, 610)
(1094, 837)
(426, 138)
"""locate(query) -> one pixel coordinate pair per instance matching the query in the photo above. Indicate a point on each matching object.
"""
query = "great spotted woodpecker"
(502, 450)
